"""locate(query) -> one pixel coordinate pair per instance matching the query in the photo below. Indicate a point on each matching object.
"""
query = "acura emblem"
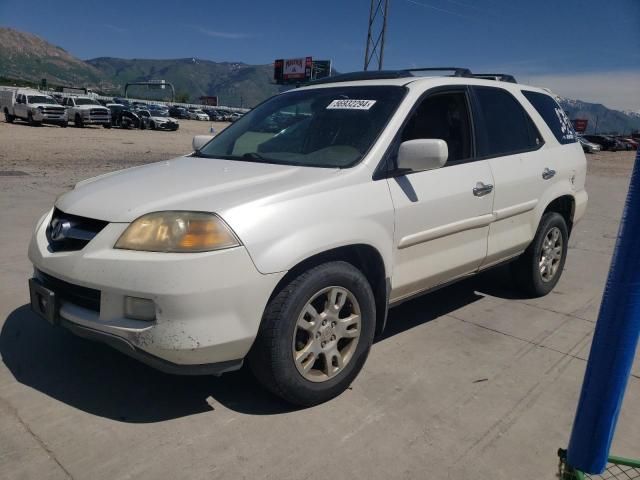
(59, 229)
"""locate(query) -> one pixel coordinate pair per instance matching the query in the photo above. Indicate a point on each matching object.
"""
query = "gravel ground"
(54, 157)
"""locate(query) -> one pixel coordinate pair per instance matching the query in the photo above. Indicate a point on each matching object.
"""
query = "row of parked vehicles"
(597, 143)
(37, 108)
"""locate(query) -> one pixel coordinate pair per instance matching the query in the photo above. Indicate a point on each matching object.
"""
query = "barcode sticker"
(351, 105)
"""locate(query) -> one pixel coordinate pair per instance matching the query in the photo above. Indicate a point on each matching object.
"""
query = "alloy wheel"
(326, 334)
(551, 254)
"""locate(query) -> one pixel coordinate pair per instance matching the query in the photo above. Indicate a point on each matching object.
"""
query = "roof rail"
(499, 77)
(409, 72)
(457, 71)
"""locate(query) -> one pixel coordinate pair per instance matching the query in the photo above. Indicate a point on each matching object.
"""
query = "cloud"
(226, 35)
(618, 89)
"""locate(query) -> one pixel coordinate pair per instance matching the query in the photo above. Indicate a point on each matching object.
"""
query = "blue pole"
(613, 347)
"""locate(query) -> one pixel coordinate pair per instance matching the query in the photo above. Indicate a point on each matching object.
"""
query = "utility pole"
(376, 33)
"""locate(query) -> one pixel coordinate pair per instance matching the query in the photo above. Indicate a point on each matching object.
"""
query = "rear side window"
(554, 116)
(503, 125)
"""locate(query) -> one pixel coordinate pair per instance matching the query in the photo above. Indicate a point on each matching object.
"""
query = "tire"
(77, 122)
(106, 125)
(527, 270)
(30, 119)
(64, 124)
(8, 117)
(152, 125)
(271, 358)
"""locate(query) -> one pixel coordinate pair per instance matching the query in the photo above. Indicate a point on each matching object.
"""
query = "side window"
(504, 127)
(553, 115)
(444, 116)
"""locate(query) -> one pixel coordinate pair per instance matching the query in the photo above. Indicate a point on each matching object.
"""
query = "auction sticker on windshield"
(351, 104)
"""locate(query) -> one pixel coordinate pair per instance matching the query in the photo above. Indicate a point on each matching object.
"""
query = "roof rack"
(457, 71)
(499, 77)
(409, 72)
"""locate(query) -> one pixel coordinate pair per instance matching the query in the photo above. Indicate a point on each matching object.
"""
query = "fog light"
(139, 308)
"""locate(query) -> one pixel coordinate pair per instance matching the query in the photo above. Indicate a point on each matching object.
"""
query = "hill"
(28, 57)
(604, 119)
(233, 83)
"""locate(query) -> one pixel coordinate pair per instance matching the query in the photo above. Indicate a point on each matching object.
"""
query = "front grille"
(82, 296)
(75, 233)
(98, 112)
(54, 110)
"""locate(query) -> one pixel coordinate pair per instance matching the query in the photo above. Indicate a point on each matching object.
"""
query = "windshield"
(324, 127)
(41, 99)
(86, 101)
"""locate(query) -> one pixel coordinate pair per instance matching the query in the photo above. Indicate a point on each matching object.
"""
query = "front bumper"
(96, 120)
(55, 118)
(208, 305)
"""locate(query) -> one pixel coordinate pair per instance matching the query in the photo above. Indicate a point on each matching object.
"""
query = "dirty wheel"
(316, 334)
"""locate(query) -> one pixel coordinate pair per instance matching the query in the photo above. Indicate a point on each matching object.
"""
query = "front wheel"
(315, 335)
(8, 117)
(77, 122)
(106, 125)
(539, 268)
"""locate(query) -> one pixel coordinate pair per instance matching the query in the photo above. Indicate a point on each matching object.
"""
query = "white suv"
(285, 239)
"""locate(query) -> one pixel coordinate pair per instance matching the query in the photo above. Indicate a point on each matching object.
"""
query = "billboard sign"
(580, 124)
(292, 70)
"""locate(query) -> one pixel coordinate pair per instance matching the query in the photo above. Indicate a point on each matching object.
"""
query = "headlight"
(177, 231)
(40, 108)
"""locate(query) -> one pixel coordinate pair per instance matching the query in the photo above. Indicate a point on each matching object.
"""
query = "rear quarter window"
(553, 115)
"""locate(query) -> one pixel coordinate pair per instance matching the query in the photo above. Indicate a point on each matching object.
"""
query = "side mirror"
(422, 154)
(200, 141)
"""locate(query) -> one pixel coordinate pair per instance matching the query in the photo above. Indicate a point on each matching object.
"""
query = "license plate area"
(43, 301)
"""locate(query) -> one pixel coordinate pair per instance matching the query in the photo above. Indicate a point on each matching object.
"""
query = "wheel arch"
(365, 258)
(565, 205)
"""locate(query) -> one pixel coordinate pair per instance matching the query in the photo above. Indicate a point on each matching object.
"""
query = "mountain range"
(27, 57)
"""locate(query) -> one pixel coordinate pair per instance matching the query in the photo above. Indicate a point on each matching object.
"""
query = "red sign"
(292, 70)
(580, 124)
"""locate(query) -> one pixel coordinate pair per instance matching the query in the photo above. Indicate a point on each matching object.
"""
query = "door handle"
(548, 173)
(480, 190)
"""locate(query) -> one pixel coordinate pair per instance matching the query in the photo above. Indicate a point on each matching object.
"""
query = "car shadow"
(99, 380)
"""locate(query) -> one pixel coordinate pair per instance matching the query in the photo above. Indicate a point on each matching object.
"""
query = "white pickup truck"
(87, 111)
(32, 106)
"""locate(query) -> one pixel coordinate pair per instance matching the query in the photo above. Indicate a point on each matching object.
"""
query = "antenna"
(376, 32)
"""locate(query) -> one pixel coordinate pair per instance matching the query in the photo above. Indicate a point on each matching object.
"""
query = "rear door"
(442, 215)
(509, 141)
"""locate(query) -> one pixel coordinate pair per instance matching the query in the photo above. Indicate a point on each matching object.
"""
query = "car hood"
(185, 183)
(90, 107)
(45, 105)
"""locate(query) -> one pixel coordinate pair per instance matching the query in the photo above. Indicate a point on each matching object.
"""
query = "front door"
(442, 216)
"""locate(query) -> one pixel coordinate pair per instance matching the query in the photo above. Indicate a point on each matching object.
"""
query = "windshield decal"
(351, 104)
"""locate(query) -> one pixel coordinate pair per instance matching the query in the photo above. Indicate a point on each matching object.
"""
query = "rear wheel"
(315, 334)
(8, 117)
(539, 268)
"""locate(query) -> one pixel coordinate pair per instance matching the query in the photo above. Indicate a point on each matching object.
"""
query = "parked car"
(32, 106)
(587, 146)
(235, 116)
(630, 141)
(122, 117)
(624, 144)
(286, 249)
(158, 120)
(178, 112)
(87, 111)
(605, 142)
(197, 114)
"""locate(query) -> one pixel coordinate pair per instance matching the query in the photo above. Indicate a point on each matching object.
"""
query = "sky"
(586, 49)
